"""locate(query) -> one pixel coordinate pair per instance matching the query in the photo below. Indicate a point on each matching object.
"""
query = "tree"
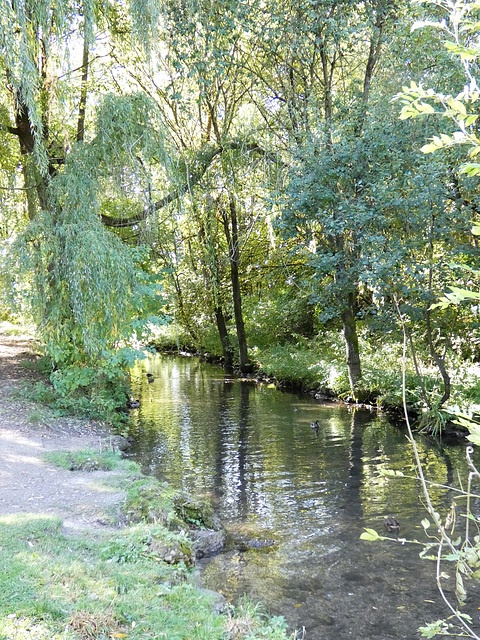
(322, 73)
(83, 284)
(200, 98)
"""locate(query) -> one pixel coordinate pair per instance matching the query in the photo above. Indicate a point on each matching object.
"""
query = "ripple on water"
(312, 492)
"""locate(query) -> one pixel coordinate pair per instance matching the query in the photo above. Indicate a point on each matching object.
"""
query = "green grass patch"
(117, 586)
(54, 583)
(91, 460)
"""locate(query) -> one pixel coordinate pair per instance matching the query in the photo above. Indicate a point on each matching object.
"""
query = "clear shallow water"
(251, 449)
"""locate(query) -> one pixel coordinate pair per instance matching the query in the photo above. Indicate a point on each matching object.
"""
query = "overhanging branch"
(195, 172)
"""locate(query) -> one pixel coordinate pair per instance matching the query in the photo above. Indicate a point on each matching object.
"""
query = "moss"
(195, 511)
(151, 501)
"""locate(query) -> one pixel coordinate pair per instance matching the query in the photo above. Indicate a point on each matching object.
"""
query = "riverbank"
(317, 367)
(74, 566)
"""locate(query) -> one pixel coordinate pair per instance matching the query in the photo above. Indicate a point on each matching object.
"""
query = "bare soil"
(28, 484)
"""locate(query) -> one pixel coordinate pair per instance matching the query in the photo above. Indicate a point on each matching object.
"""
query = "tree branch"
(194, 173)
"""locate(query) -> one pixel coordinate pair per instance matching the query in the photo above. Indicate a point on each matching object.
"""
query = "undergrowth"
(320, 363)
(103, 404)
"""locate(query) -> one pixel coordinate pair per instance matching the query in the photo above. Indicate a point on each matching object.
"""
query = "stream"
(270, 476)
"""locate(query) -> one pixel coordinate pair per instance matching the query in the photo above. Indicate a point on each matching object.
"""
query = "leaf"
(474, 435)
(457, 106)
(425, 523)
(451, 557)
(431, 147)
(421, 24)
(460, 589)
(424, 107)
(391, 473)
(471, 169)
(369, 534)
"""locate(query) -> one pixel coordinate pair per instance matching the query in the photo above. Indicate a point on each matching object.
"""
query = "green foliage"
(293, 364)
(251, 622)
(151, 501)
(83, 276)
(172, 337)
(90, 393)
(458, 25)
(282, 311)
(434, 421)
(319, 363)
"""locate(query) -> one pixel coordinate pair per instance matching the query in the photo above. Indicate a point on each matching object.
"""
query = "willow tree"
(78, 276)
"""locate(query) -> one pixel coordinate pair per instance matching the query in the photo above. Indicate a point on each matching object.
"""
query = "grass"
(321, 363)
(116, 585)
(36, 417)
(90, 460)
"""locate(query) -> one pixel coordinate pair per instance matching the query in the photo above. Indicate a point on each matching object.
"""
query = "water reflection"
(271, 476)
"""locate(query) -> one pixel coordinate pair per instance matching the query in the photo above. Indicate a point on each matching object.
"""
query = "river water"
(251, 449)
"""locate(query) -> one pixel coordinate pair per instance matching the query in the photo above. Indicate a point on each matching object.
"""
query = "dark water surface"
(251, 449)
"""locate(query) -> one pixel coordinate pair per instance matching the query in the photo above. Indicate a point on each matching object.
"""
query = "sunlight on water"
(271, 476)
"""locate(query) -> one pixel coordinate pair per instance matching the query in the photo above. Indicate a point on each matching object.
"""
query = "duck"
(391, 524)
(315, 425)
(150, 378)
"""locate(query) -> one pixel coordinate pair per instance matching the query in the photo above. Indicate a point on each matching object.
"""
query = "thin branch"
(418, 462)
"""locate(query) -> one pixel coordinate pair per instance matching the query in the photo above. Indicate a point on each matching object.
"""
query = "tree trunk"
(33, 181)
(234, 257)
(437, 358)
(82, 107)
(224, 339)
(212, 277)
(351, 343)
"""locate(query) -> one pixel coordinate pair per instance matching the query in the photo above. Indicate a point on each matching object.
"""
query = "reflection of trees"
(258, 455)
(231, 448)
(243, 448)
(220, 449)
(353, 505)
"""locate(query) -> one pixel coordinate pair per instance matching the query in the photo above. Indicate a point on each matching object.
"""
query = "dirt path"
(28, 484)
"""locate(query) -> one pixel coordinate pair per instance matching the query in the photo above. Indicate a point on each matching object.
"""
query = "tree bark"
(33, 181)
(437, 358)
(194, 173)
(82, 107)
(351, 343)
(212, 277)
(234, 257)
